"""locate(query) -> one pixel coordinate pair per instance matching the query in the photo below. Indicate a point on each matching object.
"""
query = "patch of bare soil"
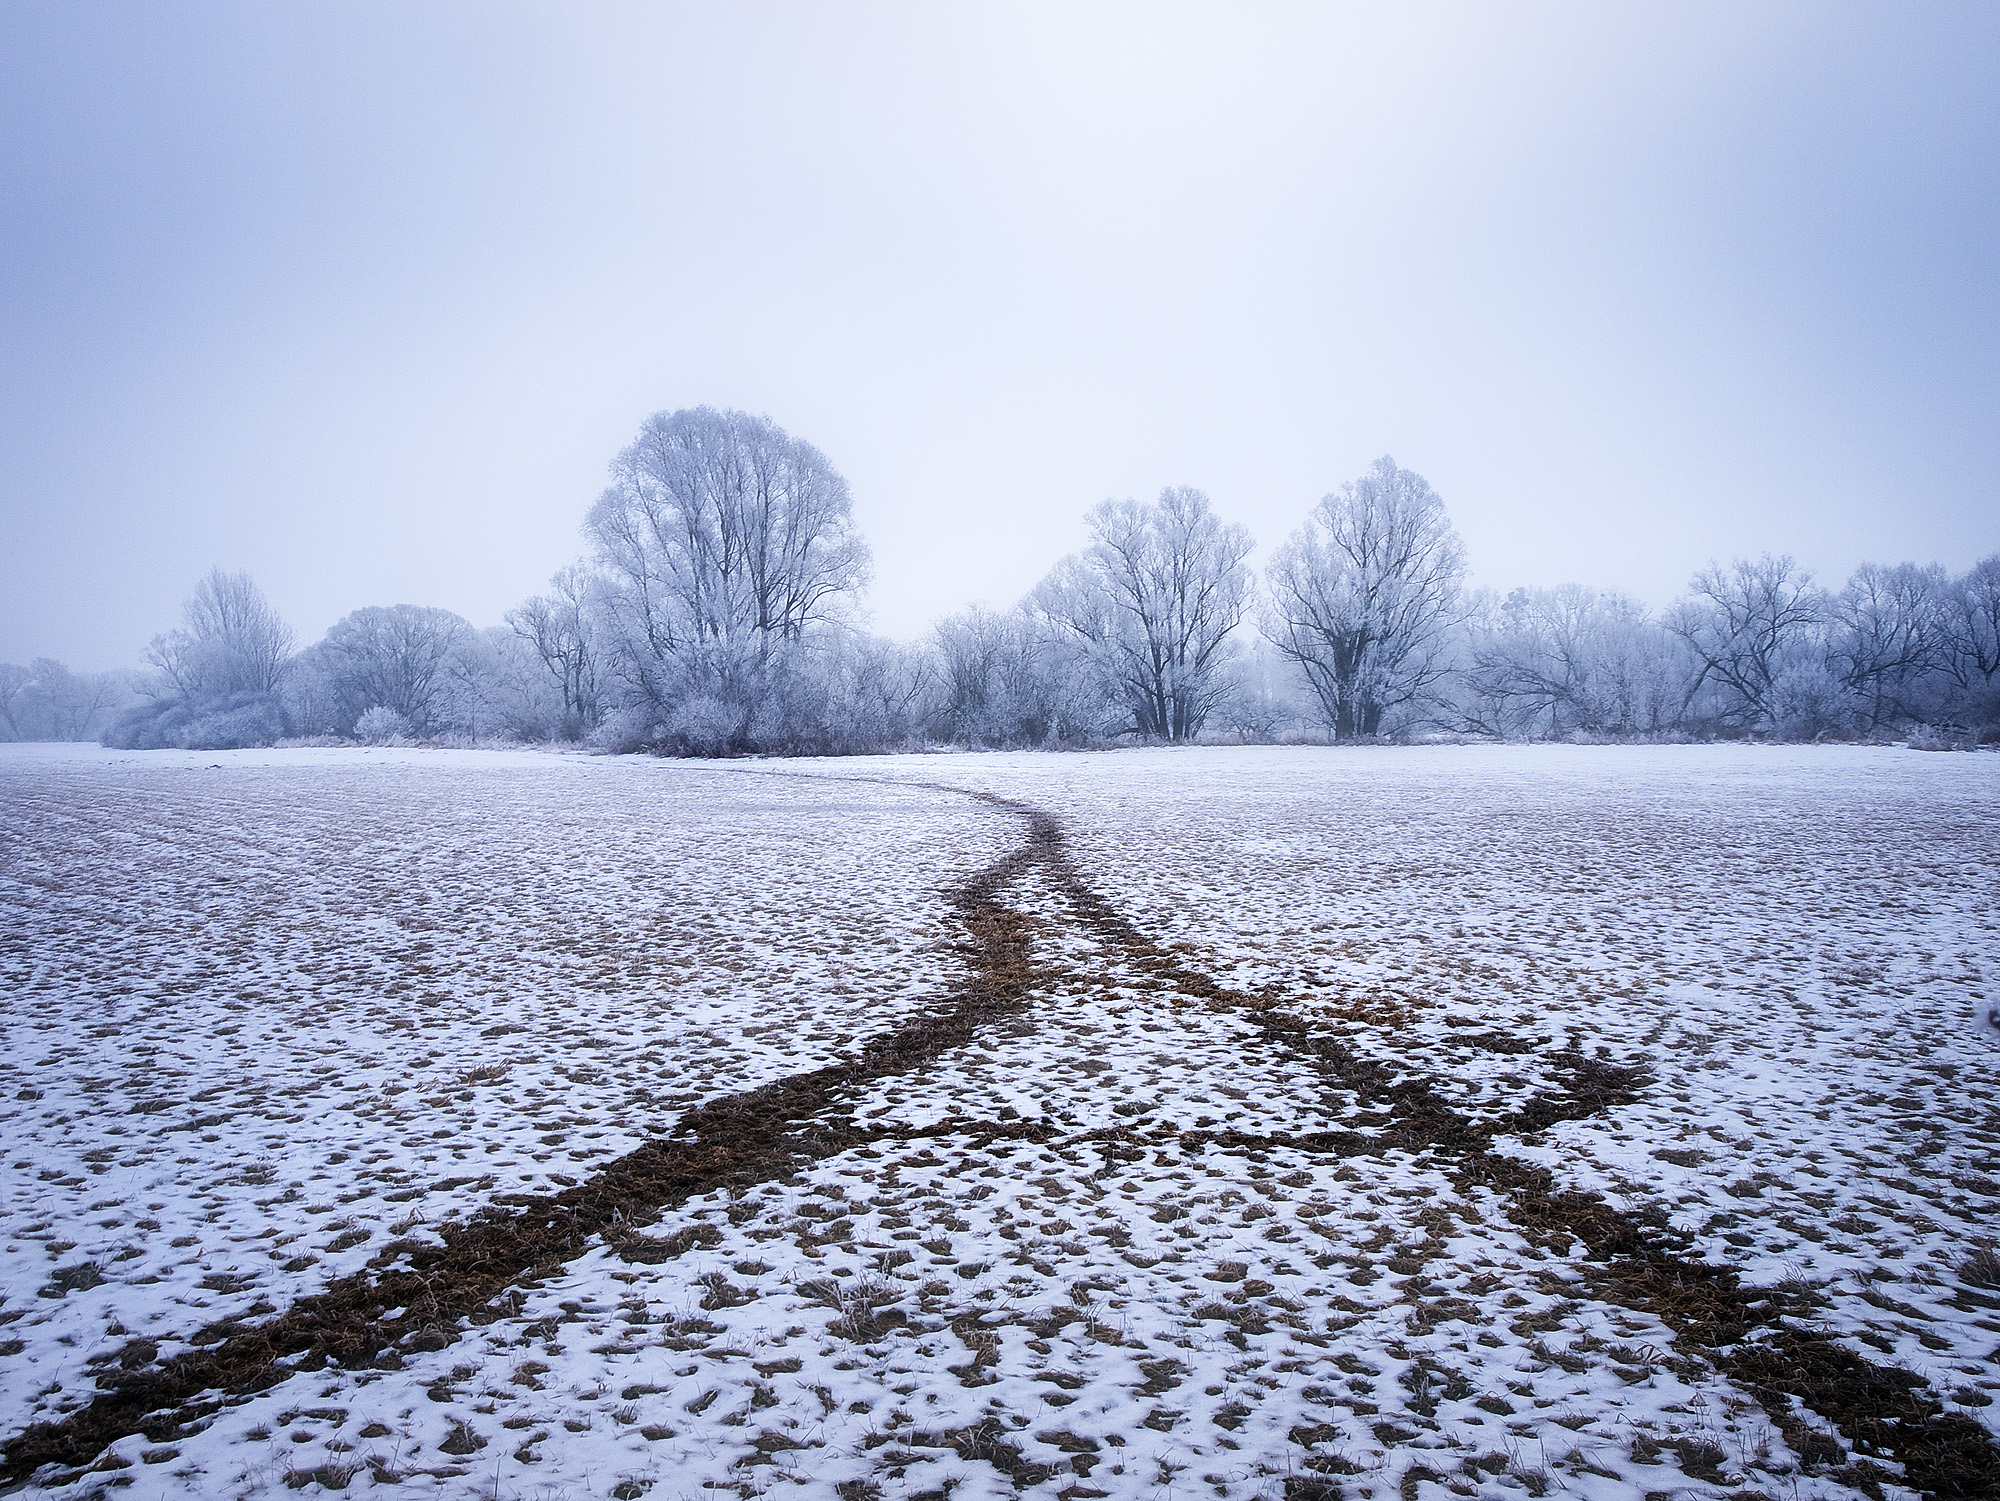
(1794, 1372)
(416, 1297)
(419, 1297)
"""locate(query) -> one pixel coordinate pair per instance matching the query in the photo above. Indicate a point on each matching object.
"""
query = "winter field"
(1232, 1123)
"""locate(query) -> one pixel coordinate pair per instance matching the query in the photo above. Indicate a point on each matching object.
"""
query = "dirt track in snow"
(421, 1300)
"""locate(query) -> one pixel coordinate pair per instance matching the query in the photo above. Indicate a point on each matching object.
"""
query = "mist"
(363, 300)
(897, 750)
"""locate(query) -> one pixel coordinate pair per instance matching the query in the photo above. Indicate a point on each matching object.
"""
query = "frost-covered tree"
(1364, 597)
(1755, 629)
(398, 657)
(47, 701)
(1888, 640)
(1153, 602)
(16, 697)
(1008, 679)
(501, 688)
(975, 655)
(724, 543)
(563, 628)
(73, 705)
(880, 687)
(846, 692)
(1267, 700)
(219, 673)
(230, 641)
(1551, 663)
(1972, 628)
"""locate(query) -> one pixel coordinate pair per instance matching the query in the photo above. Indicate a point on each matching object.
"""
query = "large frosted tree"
(1154, 600)
(1756, 629)
(230, 641)
(725, 542)
(1364, 596)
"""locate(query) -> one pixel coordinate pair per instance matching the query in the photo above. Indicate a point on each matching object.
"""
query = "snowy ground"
(1184, 1223)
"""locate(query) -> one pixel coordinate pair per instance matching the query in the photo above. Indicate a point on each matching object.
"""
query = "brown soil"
(1792, 1371)
(744, 1139)
(771, 1131)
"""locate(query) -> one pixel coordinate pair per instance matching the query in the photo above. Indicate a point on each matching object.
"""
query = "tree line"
(715, 613)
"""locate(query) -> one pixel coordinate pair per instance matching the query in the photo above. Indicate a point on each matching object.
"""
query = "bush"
(623, 732)
(232, 721)
(704, 725)
(1942, 737)
(381, 726)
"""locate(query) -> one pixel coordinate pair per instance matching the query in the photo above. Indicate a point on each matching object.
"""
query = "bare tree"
(1364, 597)
(1155, 599)
(878, 688)
(1972, 625)
(1010, 679)
(972, 652)
(846, 692)
(230, 641)
(1889, 635)
(562, 628)
(16, 687)
(73, 704)
(1753, 627)
(1267, 699)
(725, 540)
(47, 701)
(397, 657)
(1547, 663)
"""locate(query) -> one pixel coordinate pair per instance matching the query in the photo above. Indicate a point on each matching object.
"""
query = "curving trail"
(1794, 1372)
(750, 1137)
(420, 1302)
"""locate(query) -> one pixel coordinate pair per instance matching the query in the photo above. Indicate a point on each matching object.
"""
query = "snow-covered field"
(1199, 1151)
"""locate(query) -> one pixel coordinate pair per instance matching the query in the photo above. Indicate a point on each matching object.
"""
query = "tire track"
(1885, 1412)
(760, 1134)
(743, 1139)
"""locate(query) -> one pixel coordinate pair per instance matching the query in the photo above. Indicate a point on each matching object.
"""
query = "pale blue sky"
(364, 297)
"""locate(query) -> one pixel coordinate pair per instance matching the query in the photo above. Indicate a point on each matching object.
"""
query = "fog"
(363, 300)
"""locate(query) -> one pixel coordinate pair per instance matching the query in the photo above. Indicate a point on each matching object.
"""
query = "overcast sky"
(364, 298)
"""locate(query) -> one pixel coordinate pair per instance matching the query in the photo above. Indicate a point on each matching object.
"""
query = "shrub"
(1942, 737)
(623, 732)
(381, 726)
(229, 722)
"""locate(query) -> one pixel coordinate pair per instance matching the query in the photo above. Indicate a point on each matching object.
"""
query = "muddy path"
(1758, 1337)
(415, 1299)
(418, 1302)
